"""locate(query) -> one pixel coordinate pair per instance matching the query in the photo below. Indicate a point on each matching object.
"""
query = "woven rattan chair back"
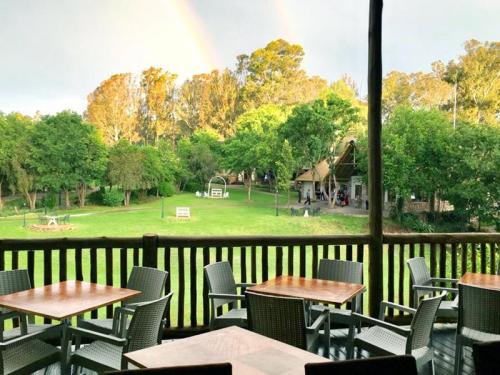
(220, 280)
(390, 365)
(13, 281)
(422, 323)
(342, 270)
(145, 324)
(420, 275)
(479, 309)
(279, 318)
(150, 281)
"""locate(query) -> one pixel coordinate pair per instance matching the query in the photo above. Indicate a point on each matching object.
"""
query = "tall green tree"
(273, 75)
(67, 154)
(315, 131)
(253, 147)
(125, 168)
(472, 178)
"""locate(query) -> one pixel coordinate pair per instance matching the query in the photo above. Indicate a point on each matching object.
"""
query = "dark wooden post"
(150, 250)
(375, 190)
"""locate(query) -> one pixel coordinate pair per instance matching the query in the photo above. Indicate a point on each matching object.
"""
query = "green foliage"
(49, 201)
(166, 189)
(112, 198)
(415, 224)
(473, 186)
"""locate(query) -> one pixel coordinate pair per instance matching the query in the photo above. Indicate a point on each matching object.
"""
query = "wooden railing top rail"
(448, 238)
(223, 241)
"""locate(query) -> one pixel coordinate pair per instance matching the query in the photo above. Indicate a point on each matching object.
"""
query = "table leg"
(65, 367)
(350, 336)
(327, 334)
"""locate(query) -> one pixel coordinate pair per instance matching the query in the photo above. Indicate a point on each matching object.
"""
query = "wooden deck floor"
(443, 341)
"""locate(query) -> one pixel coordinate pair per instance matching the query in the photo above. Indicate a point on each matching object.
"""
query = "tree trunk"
(126, 199)
(31, 198)
(1, 200)
(81, 191)
(67, 203)
(249, 186)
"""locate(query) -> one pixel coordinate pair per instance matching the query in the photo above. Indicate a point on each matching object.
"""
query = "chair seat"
(383, 341)
(29, 356)
(478, 336)
(232, 317)
(108, 356)
(448, 309)
(16, 332)
(99, 325)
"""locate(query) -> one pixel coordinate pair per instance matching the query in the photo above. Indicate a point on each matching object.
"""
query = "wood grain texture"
(248, 352)
(326, 291)
(65, 299)
(482, 280)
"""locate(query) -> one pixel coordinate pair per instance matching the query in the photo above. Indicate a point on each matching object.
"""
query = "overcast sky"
(55, 52)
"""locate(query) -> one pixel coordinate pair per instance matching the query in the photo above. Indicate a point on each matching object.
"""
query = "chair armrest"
(377, 322)
(443, 280)
(394, 306)
(77, 331)
(236, 297)
(30, 336)
(435, 289)
(245, 285)
(315, 327)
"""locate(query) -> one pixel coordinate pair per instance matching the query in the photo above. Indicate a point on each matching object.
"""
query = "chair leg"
(458, 356)
(431, 364)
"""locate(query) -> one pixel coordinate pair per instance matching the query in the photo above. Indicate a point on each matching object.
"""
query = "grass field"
(233, 216)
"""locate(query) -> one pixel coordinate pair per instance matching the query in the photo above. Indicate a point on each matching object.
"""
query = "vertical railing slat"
(93, 274)
(206, 304)
(265, 263)
(401, 276)
(279, 261)
(493, 261)
(109, 277)
(123, 268)
(63, 264)
(253, 264)
(47, 272)
(483, 257)
(410, 294)
(349, 252)
(192, 272)
(31, 267)
(78, 264)
(182, 288)
(314, 264)
(454, 261)
(464, 258)
(302, 261)
(290, 259)
(390, 276)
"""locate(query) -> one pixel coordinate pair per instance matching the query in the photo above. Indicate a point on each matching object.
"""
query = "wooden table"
(248, 352)
(316, 290)
(63, 300)
(481, 280)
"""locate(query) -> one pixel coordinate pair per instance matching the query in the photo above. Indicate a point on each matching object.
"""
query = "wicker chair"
(11, 282)
(222, 291)
(486, 358)
(391, 365)
(340, 270)
(284, 319)
(106, 353)
(388, 339)
(27, 354)
(423, 285)
(151, 283)
(478, 319)
(212, 369)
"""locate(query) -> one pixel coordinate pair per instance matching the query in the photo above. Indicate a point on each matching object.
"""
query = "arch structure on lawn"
(216, 192)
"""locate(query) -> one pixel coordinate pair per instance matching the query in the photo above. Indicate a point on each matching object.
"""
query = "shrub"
(166, 189)
(414, 223)
(112, 198)
(49, 201)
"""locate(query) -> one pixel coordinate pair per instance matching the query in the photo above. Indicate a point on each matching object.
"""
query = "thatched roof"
(344, 166)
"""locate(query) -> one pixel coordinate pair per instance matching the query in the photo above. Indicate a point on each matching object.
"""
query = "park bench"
(182, 212)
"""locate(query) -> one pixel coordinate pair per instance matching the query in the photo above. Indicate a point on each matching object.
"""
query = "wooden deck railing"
(254, 259)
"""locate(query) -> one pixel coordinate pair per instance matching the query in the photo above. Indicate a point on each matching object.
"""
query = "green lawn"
(233, 216)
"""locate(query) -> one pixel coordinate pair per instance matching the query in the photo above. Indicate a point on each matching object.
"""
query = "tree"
(210, 102)
(67, 153)
(113, 109)
(125, 168)
(156, 109)
(478, 92)
(253, 146)
(285, 166)
(472, 177)
(315, 131)
(273, 75)
(12, 129)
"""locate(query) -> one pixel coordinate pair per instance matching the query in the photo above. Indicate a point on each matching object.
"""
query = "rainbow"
(191, 25)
